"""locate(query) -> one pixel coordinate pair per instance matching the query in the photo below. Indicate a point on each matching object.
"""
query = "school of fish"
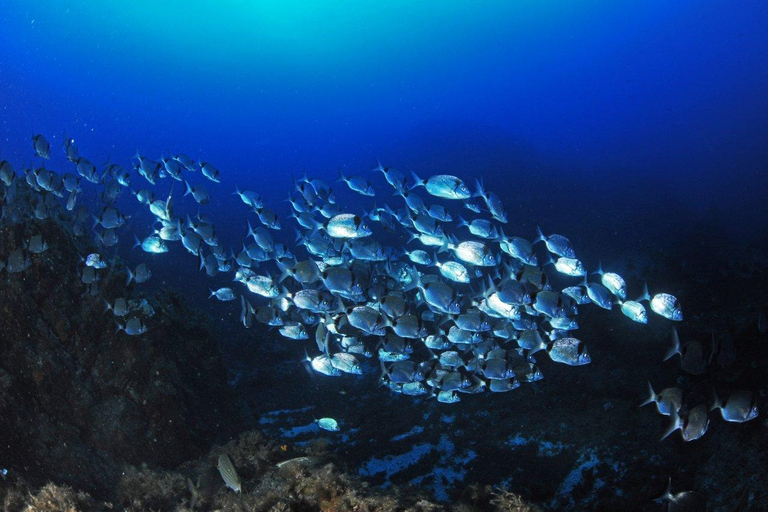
(433, 288)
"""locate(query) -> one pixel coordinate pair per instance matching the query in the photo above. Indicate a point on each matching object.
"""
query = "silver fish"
(693, 426)
(668, 401)
(667, 306)
(42, 147)
(140, 275)
(210, 172)
(569, 351)
(740, 407)
(37, 245)
(223, 294)
(133, 327)
(474, 252)
(443, 185)
(357, 184)
(152, 244)
(556, 244)
(229, 473)
(328, 424)
(199, 193)
(347, 225)
(119, 308)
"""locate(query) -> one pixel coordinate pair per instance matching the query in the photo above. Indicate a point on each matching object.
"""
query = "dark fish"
(686, 501)
(692, 359)
(42, 147)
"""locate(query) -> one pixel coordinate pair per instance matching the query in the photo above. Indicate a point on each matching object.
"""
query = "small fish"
(294, 331)
(322, 364)
(570, 267)
(37, 245)
(480, 227)
(454, 271)
(94, 260)
(492, 202)
(668, 401)
(556, 244)
(394, 177)
(634, 311)
(223, 294)
(346, 363)
(42, 147)
(569, 351)
(251, 199)
(268, 218)
(347, 225)
(153, 244)
(7, 173)
(329, 424)
(133, 327)
(475, 253)
(599, 295)
(614, 282)
(740, 407)
(187, 162)
(199, 193)
(693, 426)
(210, 172)
(17, 261)
(229, 473)
(692, 359)
(357, 184)
(686, 501)
(119, 308)
(667, 306)
(443, 185)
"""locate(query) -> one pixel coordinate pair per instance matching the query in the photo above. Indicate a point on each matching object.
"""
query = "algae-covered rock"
(78, 400)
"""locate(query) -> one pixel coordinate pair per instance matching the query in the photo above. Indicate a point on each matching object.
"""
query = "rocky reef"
(80, 401)
(274, 479)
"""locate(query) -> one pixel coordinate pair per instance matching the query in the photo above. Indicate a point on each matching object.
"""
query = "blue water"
(557, 96)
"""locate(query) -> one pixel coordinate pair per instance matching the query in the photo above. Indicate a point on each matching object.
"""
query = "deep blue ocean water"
(631, 127)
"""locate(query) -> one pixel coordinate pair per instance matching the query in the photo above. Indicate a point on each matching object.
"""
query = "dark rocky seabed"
(91, 419)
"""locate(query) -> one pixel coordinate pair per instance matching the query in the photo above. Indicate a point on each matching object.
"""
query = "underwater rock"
(78, 401)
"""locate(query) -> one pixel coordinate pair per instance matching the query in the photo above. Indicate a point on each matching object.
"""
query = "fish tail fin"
(194, 492)
(645, 296)
(108, 306)
(250, 230)
(300, 238)
(539, 235)
(599, 270)
(384, 371)
(480, 192)
(341, 175)
(417, 182)
(667, 496)
(188, 189)
(284, 271)
(212, 293)
(652, 398)
(717, 403)
(136, 242)
(129, 278)
(676, 424)
(675, 349)
(715, 348)
(462, 223)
